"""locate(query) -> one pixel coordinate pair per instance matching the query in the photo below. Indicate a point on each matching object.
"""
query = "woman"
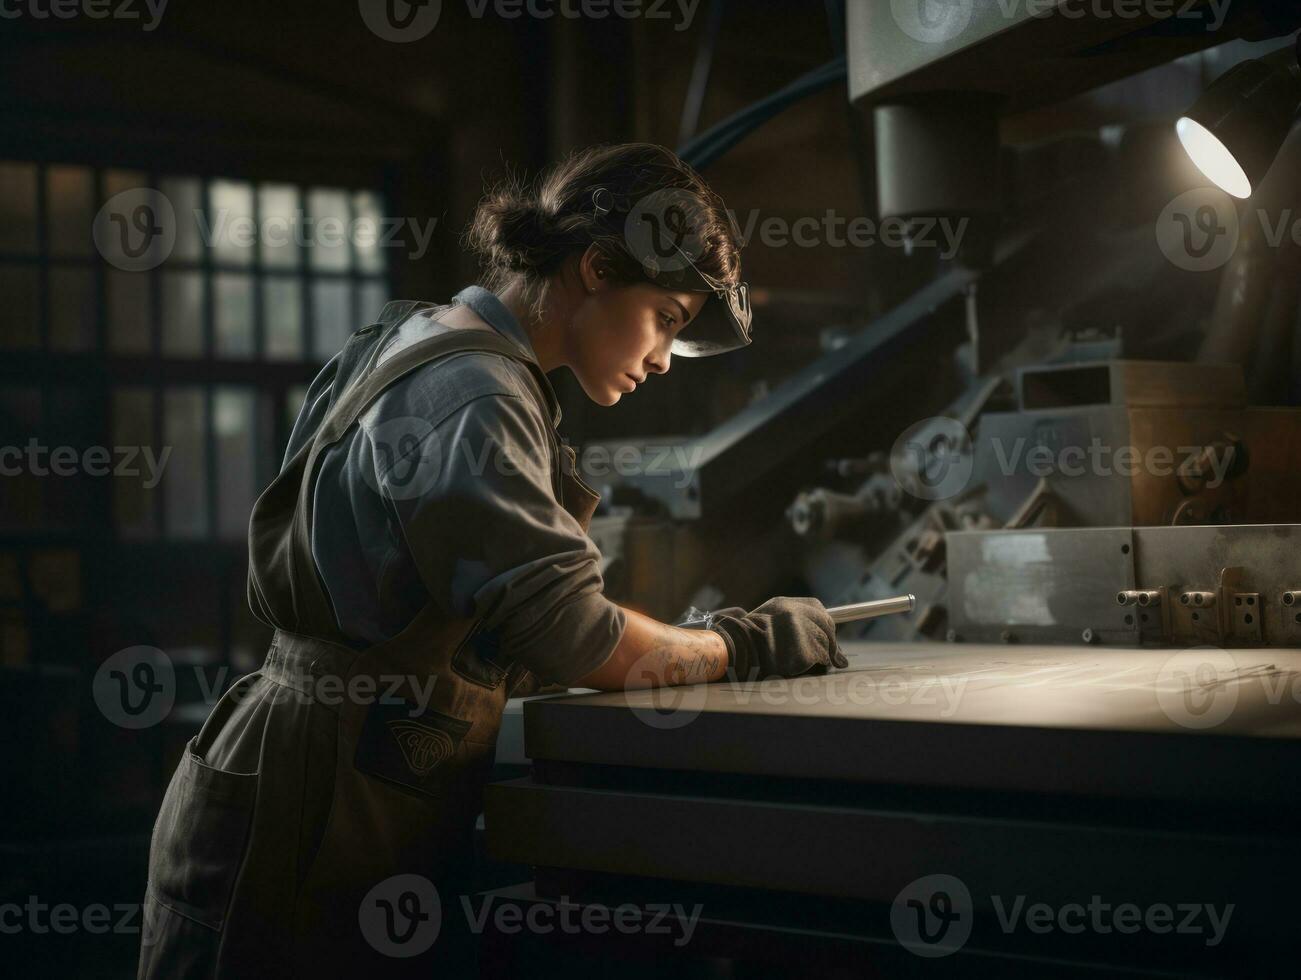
(422, 557)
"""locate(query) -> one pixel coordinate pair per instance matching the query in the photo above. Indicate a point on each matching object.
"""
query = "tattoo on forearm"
(686, 659)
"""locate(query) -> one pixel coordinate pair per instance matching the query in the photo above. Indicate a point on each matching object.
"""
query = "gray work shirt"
(444, 490)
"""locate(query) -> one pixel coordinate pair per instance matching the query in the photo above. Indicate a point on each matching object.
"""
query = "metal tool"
(870, 610)
(698, 619)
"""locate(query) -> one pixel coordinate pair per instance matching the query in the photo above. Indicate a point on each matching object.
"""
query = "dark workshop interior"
(1019, 406)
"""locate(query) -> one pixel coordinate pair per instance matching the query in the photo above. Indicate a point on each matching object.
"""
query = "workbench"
(799, 813)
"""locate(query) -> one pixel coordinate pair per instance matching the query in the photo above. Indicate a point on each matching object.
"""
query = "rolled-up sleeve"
(491, 541)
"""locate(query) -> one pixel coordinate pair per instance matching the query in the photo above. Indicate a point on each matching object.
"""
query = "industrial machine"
(1081, 459)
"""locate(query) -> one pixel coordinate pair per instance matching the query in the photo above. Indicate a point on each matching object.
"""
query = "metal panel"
(1049, 585)
(1046, 584)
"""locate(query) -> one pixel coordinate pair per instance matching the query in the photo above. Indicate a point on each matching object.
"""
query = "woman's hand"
(784, 637)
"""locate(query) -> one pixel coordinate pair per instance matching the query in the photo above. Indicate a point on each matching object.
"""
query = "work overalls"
(320, 777)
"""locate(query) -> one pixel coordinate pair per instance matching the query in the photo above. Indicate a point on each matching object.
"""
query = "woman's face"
(622, 333)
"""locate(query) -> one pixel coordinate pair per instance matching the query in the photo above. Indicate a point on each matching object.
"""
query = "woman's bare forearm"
(655, 654)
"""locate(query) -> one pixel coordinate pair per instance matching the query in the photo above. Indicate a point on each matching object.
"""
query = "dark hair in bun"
(524, 231)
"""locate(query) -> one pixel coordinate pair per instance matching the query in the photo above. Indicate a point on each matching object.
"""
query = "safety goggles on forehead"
(723, 323)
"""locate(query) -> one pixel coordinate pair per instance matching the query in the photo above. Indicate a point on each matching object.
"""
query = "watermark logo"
(1198, 230)
(407, 457)
(932, 21)
(932, 915)
(932, 459)
(1198, 688)
(664, 705)
(401, 916)
(135, 230)
(400, 21)
(940, 21)
(662, 231)
(136, 687)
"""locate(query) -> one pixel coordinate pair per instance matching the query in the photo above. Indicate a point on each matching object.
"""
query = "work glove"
(784, 637)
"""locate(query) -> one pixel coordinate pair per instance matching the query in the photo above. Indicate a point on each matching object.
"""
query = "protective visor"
(723, 323)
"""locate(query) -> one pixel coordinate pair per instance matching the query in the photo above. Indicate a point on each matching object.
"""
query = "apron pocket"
(194, 858)
(414, 748)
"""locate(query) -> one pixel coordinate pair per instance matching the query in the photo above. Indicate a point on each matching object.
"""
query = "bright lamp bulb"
(1212, 157)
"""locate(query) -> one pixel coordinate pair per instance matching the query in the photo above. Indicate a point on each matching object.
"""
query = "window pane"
(374, 294)
(233, 428)
(72, 309)
(230, 222)
(117, 181)
(332, 313)
(129, 303)
(329, 230)
(233, 315)
(21, 506)
(282, 315)
(17, 207)
(19, 315)
(70, 199)
(182, 314)
(280, 217)
(368, 231)
(186, 196)
(78, 477)
(185, 486)
(133, 498)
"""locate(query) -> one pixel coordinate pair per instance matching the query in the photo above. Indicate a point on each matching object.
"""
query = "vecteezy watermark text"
(932, 916)
(941, 21)
(404, 21)
(402, 916)
(1100, 459)
(136, 230)
(934, 459)
(37, 459)
(136, 688)
(833, 230)
(91, 9)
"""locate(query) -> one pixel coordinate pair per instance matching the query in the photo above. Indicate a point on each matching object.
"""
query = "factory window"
(200, 349)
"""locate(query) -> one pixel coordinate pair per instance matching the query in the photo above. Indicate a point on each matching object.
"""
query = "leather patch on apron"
(404, 745)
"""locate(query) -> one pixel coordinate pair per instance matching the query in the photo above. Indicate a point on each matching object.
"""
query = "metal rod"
(872, 609)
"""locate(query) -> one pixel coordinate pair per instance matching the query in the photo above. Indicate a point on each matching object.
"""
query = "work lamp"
(1234, 130)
